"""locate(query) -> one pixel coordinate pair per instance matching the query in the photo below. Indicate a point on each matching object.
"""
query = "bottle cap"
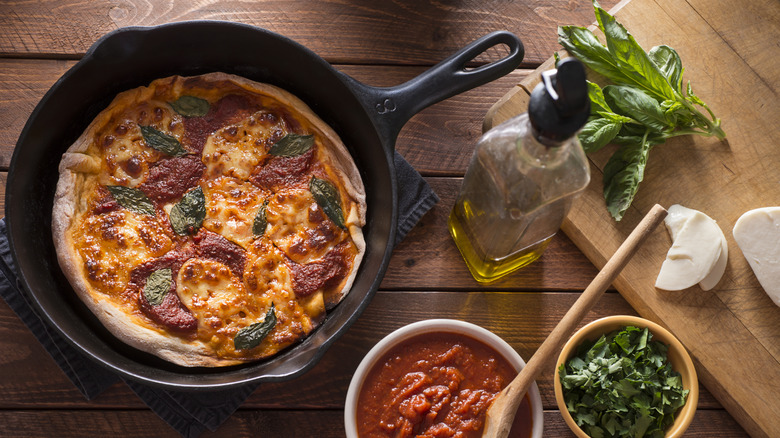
(559, 105)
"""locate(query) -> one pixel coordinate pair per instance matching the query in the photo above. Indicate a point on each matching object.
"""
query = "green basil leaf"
(583, 45)
(622, 175)
(251, 336)
(188, 214)
(597, 133)
(190, 106)
(625, 137)
(327, 197)
(673, 106)
(631, 58)
(710, 128)
(132, 199)
(692, 97)
(668, 61)
(597, 102)
(162, 142)
(157, 286)
(292, 145)
(261, 222)
(617, 118)
(677, 114)
(638, 105)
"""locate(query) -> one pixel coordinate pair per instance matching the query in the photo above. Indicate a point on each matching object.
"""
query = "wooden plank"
(731, 59)
(356, 31)
(257, 423)
(23, 82)
(22, 85)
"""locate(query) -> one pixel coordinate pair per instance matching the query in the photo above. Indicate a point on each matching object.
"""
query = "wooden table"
(377, 42)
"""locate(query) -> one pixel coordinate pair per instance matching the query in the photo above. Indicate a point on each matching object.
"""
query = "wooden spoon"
(502, 411)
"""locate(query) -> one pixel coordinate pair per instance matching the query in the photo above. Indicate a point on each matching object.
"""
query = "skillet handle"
(391, 107)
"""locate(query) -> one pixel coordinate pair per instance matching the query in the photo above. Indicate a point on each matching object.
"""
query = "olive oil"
(482, 266)
(521, 182)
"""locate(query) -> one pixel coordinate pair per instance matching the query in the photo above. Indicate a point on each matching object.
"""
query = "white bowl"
(436, 326)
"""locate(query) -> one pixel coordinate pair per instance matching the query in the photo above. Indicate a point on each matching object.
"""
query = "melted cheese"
(127, 156)
(266, 273)
(235, 150)
(109, 243)
(218, 300)
(299, 227)
(224, 305)
(231, 207)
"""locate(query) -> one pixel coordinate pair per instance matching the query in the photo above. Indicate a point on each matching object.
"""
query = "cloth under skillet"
(188, 413)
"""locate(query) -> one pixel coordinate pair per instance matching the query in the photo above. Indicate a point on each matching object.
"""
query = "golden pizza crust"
(77, 174)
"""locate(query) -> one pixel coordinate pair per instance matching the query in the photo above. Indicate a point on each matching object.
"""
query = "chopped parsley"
(622, 385)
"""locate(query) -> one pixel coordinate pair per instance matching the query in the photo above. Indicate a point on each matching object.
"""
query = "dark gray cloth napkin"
(188, 413)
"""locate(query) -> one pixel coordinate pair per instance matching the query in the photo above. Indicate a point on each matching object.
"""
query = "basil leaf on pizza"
(157, 286)
(327, 197)
(162, 142)
(251, 336)
(246, 221)
(190, 106)
(188, 214)
(132, 199)
(261, 221)
(292, 145)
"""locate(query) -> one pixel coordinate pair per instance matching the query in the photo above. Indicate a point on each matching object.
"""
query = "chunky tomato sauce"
(436, 385)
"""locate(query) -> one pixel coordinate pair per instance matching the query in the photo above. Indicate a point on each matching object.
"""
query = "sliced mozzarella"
(713, 278)
(676, 218)
(697, 245)
(757, 233)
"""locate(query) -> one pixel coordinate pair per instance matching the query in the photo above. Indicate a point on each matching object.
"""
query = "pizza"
(209, 220)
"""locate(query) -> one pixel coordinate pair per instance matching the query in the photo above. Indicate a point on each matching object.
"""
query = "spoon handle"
(502, 411)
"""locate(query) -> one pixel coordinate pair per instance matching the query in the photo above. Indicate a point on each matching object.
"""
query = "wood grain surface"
(351, 31)
(380, 43)
(732, 331)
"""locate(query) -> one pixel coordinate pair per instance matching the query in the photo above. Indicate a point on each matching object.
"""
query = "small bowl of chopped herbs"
(625, 376)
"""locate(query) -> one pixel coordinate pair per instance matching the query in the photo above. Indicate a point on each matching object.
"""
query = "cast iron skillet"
(368, 120)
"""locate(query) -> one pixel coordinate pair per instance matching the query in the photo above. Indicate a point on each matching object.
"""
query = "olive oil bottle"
(523, 177)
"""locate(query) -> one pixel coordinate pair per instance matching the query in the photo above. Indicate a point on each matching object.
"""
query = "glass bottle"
(523, 177)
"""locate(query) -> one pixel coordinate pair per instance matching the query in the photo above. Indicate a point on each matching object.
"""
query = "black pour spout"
(559, 105)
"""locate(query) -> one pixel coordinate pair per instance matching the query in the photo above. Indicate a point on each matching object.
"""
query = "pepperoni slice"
(170, 178)
(310, 277)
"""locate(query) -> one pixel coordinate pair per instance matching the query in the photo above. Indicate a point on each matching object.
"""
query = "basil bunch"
(644, 105)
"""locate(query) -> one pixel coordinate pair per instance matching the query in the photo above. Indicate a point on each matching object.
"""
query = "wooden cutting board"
(731, 55)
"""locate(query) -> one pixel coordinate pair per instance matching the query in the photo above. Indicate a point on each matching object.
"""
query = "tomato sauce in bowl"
(435, 382)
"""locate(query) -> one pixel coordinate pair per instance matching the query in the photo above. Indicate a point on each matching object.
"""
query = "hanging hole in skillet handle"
(392, 107)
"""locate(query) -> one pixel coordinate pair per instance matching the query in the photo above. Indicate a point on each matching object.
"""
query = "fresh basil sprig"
(643, 106)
